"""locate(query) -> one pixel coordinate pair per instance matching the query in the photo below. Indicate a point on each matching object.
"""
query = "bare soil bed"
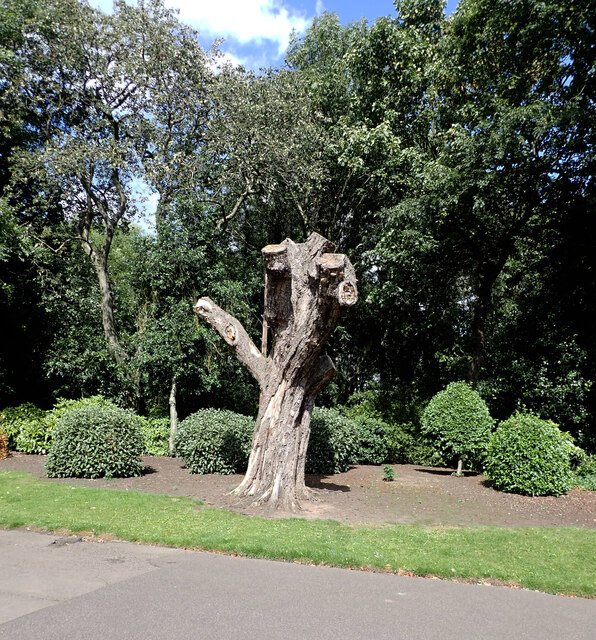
(418, 495)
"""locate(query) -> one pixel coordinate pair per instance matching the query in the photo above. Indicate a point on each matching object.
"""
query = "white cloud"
(243, 20)
(226, 58)
(320, 7)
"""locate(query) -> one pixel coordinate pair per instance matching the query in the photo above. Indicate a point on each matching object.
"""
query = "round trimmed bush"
(457, 424)
(333, 442)
(96, 442)
(530, 456)
(215, 441)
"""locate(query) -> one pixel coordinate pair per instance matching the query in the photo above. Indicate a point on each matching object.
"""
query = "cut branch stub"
(306, 289)
(230, 334)
(347, 294)
(276, 258)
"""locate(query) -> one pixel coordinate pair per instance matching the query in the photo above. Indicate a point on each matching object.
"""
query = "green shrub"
(215, 441)
(457, 424)
(30, 429)
(64, 405)
(388, 473)
(406, 446)
(585, 474)
(333, 442)
(26, 428)
(95, 442)
(530, 456)
(373, 440)
(156, 434)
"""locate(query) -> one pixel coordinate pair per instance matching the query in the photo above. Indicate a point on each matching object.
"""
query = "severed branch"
(235, 335)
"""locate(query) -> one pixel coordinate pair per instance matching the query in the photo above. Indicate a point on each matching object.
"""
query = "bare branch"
(235, 335)
(241, 199)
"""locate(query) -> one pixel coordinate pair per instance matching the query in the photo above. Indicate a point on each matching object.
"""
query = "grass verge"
(552, 560)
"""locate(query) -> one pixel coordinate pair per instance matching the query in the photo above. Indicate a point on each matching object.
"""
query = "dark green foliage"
(215, 441)
(391, 415)
(373, 441)
(457, 423)
(406, 446)
(333, 442)
(585, 474)
(530, 456)
(156, 434)
(463, 146)
(96, 442)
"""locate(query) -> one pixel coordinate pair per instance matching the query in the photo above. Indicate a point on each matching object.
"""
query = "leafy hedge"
(214, 441)
(373, 439)
(406, 446)
(27, 428)
(530, 456)
(333, 444)
(95, 442)
(30, 429)
(457, 424)
(156, 435)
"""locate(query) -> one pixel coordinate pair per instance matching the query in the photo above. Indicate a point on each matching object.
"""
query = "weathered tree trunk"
(173, 417)
(306, 288)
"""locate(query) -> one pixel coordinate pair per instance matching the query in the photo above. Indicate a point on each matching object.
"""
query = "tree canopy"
(452, 159)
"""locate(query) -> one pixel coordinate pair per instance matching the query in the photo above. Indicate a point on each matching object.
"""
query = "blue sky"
(256, 32)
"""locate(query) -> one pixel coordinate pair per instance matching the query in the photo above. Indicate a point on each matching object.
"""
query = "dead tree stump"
(307, 287)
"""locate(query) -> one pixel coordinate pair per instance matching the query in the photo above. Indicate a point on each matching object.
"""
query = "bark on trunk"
(173, 417)
(306, 289)
(132, 382)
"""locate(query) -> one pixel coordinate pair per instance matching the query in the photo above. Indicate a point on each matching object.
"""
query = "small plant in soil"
(388, 473)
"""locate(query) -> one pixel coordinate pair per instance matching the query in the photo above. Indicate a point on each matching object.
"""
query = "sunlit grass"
(547, 559)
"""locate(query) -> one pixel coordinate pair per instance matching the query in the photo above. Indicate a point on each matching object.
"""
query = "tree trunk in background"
(306, 289)
(131, 377)
(482, 310)
(173, 417)
(460, 466)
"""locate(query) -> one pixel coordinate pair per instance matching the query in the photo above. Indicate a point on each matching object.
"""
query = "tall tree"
(104, 107)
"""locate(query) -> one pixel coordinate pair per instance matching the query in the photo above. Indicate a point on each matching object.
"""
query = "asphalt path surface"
(61, 588)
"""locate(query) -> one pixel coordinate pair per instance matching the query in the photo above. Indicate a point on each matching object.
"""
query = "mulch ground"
(418, 495)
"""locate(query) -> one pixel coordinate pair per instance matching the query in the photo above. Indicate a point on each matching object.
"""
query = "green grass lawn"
(555, 560)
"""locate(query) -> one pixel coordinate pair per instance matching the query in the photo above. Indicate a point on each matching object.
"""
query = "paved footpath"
(54, 588)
